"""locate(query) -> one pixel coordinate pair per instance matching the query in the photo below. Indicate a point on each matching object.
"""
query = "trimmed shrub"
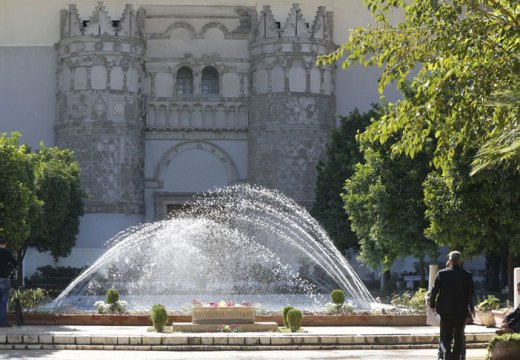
(294, 318)
(286, 309)
(337, 296)
(159, 317)
(112, 296)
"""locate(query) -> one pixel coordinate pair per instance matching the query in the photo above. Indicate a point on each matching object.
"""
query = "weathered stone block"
(175, 340)
(62, 340)
(151, 340)
(83, 340)
(281, 340)
(14, 339)
(103, 340)
(223, 315)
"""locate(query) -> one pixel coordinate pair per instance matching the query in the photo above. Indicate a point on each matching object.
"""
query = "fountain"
(241, 242)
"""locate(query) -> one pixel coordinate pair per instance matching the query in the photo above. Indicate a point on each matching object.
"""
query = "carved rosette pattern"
(287, 138)
(100, 71)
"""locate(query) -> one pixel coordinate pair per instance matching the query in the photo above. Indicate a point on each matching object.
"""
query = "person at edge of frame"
(451, 297)
(7, 262)
(511, 323)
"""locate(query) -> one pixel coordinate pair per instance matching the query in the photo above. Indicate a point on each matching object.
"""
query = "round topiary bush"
(159, 317)
(285, 310)
(337, 296)
(294, 318)
(112, 296)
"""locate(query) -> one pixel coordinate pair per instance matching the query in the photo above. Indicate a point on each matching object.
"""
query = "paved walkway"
(34, 337)
(370, 354)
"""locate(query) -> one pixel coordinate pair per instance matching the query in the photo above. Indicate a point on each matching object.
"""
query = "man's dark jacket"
(513, 319)
(452, 292)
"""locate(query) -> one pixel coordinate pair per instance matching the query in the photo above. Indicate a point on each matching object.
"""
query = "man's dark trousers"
(452, 328)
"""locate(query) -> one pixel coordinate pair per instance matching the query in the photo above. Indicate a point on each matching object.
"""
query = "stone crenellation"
(295, 26)
(131, 23)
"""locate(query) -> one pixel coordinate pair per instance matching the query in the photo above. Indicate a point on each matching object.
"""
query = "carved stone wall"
(292, 102)
(100, 106)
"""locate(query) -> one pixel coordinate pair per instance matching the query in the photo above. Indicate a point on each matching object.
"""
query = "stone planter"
(499, 316)
(506, 350)
(485, 318)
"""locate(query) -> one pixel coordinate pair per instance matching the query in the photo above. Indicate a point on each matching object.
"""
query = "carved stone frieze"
(290, 109)
(111, 162)
(286, 160)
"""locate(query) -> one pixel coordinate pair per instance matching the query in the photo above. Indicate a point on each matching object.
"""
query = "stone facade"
(136, 94)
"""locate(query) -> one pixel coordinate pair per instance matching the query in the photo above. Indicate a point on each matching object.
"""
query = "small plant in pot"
(337, 304)
(485, 315)
(112, 305)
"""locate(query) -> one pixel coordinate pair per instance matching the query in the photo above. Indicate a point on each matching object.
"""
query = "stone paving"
(312, 338)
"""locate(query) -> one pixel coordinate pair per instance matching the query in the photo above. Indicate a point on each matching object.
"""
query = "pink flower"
(213, 304)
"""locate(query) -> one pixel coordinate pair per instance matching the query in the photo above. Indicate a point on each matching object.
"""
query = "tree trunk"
(422, 273)
(493, 272)
(510, 276)
(19, 274)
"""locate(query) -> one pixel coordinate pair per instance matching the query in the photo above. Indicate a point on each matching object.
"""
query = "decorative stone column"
(100, 69)
(290, 115)
(434, 268)
(517, 280)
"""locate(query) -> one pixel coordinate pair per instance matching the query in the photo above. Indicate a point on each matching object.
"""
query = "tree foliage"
(57, 177)
(458, 53)
(474, 214)
(41, 200)
(18, 199)
(342, 154)
(384, 201)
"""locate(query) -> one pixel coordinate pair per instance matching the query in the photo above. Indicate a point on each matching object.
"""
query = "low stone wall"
(144, 320)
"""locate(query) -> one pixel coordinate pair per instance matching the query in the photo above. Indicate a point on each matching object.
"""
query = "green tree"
(476, 214)
(18, 201)
(41, 201)
(384, 200)
(458, 53)
(57, 178)
(460, 57)
(342, 155)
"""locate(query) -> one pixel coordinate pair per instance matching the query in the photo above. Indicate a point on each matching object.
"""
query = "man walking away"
(451, 297)
(7, 261)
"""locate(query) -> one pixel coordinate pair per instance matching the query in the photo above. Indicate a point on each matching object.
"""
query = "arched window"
(184, 81)
(210, 84)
